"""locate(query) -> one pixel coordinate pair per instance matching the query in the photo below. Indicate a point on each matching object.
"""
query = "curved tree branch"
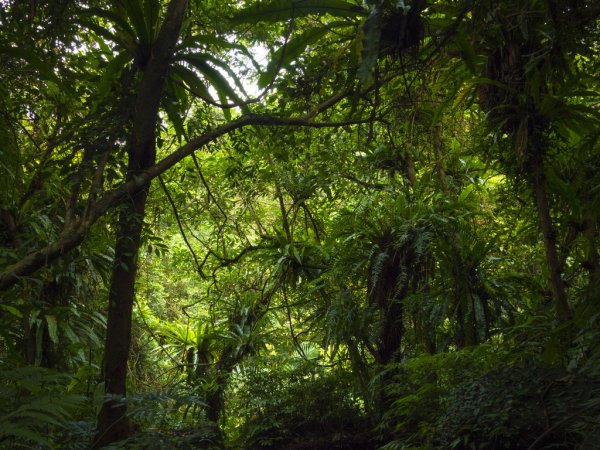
(74, 233)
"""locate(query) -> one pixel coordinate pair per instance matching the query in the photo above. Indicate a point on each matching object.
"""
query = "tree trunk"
(559, 292)
(392, 333)
(592, 262)
(215, 402)
(438, 148)
(411, 172)
(112, 421)
(465, 335)
(382, 288)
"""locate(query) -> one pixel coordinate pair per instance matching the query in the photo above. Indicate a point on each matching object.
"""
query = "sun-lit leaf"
(52, 324)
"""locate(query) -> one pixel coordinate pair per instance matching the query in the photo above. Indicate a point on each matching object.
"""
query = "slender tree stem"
(113, 424)
(559, 292)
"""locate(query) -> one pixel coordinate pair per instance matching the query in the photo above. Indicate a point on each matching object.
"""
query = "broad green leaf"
(171, 107)
(41, 417)
(33, 60)
(288, 53)
(214, 77)
(26, 434)
(227, 68)
(12, 310)
(52, 328)
(191, 80)
(122, 39)
(69, 333)
(82, 375)
(370, 44)
(465, 193)
(151, 15)
(467, 51)
(118, 20)
(33, 316)
(136, 16)
(111, 73)
(197, 41)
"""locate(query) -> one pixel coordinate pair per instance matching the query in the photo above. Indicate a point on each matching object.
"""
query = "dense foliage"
(332, 224)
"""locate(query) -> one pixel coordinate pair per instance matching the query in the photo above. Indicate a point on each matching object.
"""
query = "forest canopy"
(333, 224)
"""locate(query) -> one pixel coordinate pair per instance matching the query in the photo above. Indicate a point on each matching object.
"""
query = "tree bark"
(559, 291)
(112, 421)
(592, 262)
(113, 424)
(438, 148)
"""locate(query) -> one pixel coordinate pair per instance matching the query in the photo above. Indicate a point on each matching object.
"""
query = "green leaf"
(370, 50)
(173, 112)
(214, 42)
(33, 316)
(191, 81)
(151, 14)
(135, 14)
(465, 193)
(288, 53)
(118, 20)
(12, 310)
(82, 375)
(52, 328)
(467, 51)
(22, 433)
(111, 73)
(214, 77)
(33, 61)
(280, 10)
(227, 68)
(124, 40)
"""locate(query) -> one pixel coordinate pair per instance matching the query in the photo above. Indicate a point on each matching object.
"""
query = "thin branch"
(289, 316)
(74, 234)
(96, 186)
(560, 423)
(149, 329)
(208, 191)
(284, 213)
(377, 186)
(312, 220)
(180, 225)
(229, 261)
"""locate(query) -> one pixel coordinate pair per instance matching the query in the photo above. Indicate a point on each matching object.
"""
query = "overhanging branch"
(74, 234)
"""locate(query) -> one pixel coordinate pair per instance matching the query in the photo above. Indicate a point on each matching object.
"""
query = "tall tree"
(112, 421)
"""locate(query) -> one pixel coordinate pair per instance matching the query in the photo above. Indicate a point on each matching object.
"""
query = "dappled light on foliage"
(298, 224)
